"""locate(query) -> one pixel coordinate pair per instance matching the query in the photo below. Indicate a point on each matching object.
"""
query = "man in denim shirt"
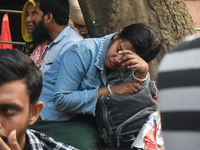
(85, 72)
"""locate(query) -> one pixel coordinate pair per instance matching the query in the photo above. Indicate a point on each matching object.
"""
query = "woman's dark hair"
(14, 65)
(59, 9)
(143, 40)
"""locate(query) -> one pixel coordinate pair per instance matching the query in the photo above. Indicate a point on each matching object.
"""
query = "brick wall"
(194, 9)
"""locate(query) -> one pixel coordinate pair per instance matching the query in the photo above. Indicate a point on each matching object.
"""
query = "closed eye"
(119, 48)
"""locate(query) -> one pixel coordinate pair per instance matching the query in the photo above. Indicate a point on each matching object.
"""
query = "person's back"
(178, 95)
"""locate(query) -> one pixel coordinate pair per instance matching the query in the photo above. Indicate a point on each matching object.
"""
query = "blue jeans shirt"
(70, 86)
(64, 40)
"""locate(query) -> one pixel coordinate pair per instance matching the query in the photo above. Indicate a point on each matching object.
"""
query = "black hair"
(59, 9)
(14, 65)
(143, 40)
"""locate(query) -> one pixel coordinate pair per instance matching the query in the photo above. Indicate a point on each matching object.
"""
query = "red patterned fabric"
(38, 54)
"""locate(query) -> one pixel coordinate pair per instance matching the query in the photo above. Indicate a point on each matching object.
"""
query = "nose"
(34, 16)
(30, 18)
(118, 57)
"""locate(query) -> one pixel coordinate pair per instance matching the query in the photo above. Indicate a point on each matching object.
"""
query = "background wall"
(194, 9)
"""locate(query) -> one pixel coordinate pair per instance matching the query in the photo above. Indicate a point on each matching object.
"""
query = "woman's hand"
(125, 88)
(133, 61)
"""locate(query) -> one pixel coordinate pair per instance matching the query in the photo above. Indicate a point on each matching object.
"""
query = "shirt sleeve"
(67, 96)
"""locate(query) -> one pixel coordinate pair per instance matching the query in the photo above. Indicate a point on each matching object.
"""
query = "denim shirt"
(70, 86)
(64, 40)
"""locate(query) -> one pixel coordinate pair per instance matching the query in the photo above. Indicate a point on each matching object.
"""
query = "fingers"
(12, 141)
(131, 87)
(136, 85)
(135, 88)
(129, 58)
(126, 52)
(3, 145)
(133, 61)
(132, 90)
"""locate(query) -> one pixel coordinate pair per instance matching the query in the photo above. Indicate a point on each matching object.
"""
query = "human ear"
(49, 17)
(35, 112)
(117, 35)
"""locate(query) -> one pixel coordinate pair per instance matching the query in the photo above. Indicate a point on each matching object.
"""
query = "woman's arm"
(124, 88)
(67, 95)
(132, 61)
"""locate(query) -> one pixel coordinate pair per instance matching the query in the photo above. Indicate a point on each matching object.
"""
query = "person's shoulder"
(86, 44)
(187, 43)
(188, 48)
(73, 33)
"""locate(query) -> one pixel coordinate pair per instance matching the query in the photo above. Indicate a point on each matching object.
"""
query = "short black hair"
(14, 65)
(143, 40)
(59, 9)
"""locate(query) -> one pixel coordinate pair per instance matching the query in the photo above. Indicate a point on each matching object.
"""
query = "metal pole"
(14, 43)
(15, 12)
(10, 11)
(197, 29)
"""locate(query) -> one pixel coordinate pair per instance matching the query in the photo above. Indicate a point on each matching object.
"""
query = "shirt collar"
(60, 36)
(103, 50)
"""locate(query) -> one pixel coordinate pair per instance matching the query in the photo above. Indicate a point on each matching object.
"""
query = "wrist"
(109, 89)
(141, 77)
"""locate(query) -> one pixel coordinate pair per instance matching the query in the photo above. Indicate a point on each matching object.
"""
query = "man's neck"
(56, 30)
(23, 143)
(26, 146)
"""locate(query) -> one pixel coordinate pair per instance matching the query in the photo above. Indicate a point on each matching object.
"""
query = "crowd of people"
(49, 90)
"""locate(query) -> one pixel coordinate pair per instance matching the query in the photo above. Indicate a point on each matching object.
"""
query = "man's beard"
(40, 33)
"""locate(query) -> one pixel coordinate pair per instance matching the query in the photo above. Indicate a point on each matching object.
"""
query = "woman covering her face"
(116, 63)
